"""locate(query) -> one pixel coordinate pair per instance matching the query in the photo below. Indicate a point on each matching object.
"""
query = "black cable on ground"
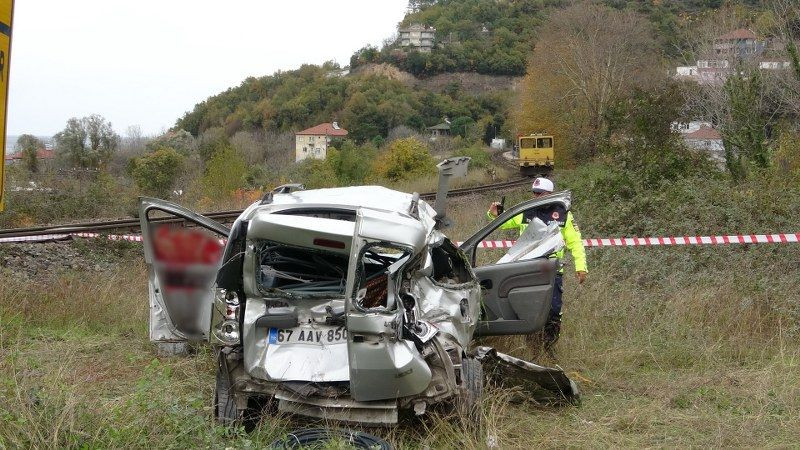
(318, 437)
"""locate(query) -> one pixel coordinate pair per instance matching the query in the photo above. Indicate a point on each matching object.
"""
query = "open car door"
(382, 365)
(182, 250)
(518, 288)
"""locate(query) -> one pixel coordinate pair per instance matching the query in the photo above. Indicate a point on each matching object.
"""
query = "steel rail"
(222, 216)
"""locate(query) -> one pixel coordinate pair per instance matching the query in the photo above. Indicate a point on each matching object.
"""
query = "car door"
(517, 290)
(182, 251)
(382, 365)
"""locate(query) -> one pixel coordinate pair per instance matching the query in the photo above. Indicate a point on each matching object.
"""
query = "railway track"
(498, 158)
(132, 223)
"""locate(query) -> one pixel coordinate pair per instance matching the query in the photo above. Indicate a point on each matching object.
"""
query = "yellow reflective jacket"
(570, 233)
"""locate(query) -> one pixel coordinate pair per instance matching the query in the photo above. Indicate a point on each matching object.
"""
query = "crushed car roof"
(378, 198)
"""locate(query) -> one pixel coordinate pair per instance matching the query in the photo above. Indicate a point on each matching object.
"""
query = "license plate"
(307, 335)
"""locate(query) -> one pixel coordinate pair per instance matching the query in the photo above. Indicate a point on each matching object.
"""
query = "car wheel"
(469, 404)
(225, 411)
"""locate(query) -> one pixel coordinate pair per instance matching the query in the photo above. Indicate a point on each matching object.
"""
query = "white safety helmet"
(542, 185)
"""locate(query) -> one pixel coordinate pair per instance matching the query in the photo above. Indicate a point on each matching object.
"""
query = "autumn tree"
(28, 145)
(586, 59)
(87, 143)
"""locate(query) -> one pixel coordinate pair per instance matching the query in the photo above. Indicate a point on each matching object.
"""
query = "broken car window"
(377, 263)
(449, 267)
(300, 271)
(538, 240)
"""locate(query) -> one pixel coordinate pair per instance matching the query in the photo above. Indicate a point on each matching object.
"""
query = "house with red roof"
(42, 154)
(709, 140)
(313, 142)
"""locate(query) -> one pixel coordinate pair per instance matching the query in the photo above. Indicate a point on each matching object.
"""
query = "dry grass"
(667, 355)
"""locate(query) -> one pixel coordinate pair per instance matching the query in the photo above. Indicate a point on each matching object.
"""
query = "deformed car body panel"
(368, 268)
(543, 384)
(443, 306)
(382, 364)
(162, 326)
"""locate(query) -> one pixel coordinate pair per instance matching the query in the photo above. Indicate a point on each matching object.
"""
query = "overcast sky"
(146, 62)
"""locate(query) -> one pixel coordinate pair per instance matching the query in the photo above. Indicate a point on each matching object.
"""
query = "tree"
(88, 142)
(350, 163)
(28, 145)
(156, 172)
(462, 125)
(180, 140)
(404, 160)
(134, 139)
(744, 102)
(225, 172)
(587, 59)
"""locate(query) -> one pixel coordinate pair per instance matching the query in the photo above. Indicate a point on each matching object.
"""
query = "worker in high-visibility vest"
(572, 239)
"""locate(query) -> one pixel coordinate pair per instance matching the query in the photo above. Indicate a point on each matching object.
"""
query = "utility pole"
(6, 15)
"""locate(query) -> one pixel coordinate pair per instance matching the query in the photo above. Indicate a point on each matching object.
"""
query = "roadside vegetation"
(672, 347)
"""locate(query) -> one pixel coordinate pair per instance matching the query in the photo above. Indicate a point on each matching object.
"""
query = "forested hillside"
(368, 106)
(479, 36)
(496, 37)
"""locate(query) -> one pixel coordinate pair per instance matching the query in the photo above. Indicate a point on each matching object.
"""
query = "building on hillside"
(313, 142)
(709, 140)
(690, 127)
(738, 44)
(440, 130)
(727, 52)
(417, 37)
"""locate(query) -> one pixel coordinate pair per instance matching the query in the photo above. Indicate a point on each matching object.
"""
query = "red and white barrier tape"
(783, 238)
(59, 237)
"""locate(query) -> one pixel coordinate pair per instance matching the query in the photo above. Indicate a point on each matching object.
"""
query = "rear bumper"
(380, 413)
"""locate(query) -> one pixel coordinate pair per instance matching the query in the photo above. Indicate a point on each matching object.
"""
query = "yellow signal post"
(6, 14)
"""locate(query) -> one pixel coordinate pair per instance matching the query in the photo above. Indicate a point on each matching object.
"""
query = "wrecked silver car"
(346, 303)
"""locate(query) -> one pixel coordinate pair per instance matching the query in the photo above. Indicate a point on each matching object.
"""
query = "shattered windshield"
(300, 271)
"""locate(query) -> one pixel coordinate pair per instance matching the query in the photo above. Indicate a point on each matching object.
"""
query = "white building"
(708, 140)
(313, 142)
(418, 36)
(738, 45)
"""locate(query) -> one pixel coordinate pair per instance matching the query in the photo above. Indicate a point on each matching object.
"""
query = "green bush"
(405, 159)
(350, 164)
(313, 173)
(480, 158)
(59, 199)
(225, 172)
(155, 173)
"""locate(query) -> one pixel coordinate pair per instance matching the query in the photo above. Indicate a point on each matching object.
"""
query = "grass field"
(671, 348)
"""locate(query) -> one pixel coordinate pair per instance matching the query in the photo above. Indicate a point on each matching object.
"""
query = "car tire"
(225, 411)
(469, 404)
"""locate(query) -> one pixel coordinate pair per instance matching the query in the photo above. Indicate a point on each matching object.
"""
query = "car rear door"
(518, 288)
(182, 250)
(382, 365)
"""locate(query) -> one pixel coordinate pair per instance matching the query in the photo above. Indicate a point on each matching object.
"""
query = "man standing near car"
(572, 239)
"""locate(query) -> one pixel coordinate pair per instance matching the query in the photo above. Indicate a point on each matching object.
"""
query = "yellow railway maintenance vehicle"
(535, 154)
